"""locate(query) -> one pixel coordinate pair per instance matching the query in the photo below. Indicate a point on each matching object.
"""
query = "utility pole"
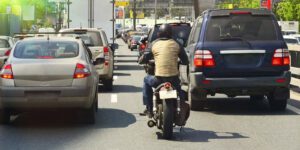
(134, 14)
(155, 12)
(196, 8)
(69, 3)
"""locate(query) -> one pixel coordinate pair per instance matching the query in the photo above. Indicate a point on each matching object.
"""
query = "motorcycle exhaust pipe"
(151, 123)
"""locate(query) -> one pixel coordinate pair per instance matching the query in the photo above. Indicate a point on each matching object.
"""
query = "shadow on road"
(126, 61)
(191, 135)
(129, 67)
(121, 89)
(126, 56)
(122, 74)
(241, 106)
(105, 118)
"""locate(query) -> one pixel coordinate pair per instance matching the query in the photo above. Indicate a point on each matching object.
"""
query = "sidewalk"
(295, 97)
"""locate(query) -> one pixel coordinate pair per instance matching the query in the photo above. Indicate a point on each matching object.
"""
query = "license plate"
(168, 94)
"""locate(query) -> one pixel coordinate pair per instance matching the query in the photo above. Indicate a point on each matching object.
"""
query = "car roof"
(4, 37)
(72, 39)
(227, 12)
(289, 37)
(83, 29)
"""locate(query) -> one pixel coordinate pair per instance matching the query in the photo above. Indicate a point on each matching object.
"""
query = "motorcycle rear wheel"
(168, 118)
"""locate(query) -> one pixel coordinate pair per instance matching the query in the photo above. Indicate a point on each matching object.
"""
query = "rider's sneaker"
(144, 113)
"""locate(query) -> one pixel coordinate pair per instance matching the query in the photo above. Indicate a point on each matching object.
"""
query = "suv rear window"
(246, 27)
(4, 43)
(93, 38)
(46, 50)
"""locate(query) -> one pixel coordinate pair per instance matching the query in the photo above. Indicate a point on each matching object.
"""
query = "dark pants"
(152, 82)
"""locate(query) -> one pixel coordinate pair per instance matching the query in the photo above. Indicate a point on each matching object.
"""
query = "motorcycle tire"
(168, 118)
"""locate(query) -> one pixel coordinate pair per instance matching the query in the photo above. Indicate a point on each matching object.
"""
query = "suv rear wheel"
(278, 99)
(4, 116)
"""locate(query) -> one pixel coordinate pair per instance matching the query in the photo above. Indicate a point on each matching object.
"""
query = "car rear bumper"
(46, 97)
(199, 81)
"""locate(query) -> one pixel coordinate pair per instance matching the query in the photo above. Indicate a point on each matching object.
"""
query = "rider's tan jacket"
(165, 54)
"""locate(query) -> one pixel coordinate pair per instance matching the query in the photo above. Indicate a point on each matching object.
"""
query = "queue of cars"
(61, 71)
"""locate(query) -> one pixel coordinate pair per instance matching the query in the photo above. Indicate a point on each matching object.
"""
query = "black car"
(237, 53)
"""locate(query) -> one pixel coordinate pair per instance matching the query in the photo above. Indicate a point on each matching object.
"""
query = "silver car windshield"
(4, 43)
(46, 50)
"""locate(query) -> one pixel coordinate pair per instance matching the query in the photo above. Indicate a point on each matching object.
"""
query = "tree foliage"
(288, 10)
(239, 4)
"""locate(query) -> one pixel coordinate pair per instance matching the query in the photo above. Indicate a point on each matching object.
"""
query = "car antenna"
(48, 37)
(80, 25)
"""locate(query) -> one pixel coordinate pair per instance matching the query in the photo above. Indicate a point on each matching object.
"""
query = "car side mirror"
(98, 61)
(114, 46)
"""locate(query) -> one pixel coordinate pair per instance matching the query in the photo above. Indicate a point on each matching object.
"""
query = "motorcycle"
(169, 110)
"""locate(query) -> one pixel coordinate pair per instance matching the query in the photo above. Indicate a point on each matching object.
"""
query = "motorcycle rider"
(165, 51)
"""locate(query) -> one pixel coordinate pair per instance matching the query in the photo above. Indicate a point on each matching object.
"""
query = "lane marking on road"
(114, 98)
(294, 109)
(115, 78)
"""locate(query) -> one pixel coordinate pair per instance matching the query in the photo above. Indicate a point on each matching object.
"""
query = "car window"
(195, 34)
(46, 50)
(247, 27)
(105, 38)
(92, 38)
(180, 32)
(291, 41)
(4, 43)
(136, 38)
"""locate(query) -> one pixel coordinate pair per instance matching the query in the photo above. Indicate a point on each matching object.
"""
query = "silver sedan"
(49, 73)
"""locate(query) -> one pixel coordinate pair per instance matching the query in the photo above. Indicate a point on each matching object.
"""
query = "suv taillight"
(81, 71)
(7, 72)
(204, 58)
(281, 57)
(106, 55)
(7, 53)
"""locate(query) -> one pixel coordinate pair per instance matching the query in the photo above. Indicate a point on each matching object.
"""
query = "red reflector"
(206, 81)
(105, 49)
(167, 85)
(106, 63)
(143, 46)
(280, 80)
(7, 53)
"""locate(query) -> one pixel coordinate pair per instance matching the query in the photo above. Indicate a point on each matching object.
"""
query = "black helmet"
(165, 31)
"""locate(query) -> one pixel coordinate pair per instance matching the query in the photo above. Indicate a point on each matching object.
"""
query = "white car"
(102, 52)
(289, 39)
(6, 44)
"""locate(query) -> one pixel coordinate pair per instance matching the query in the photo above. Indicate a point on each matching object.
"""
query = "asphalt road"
(228, 124)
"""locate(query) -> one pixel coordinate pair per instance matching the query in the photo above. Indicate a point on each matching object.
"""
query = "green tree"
(288, 10)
